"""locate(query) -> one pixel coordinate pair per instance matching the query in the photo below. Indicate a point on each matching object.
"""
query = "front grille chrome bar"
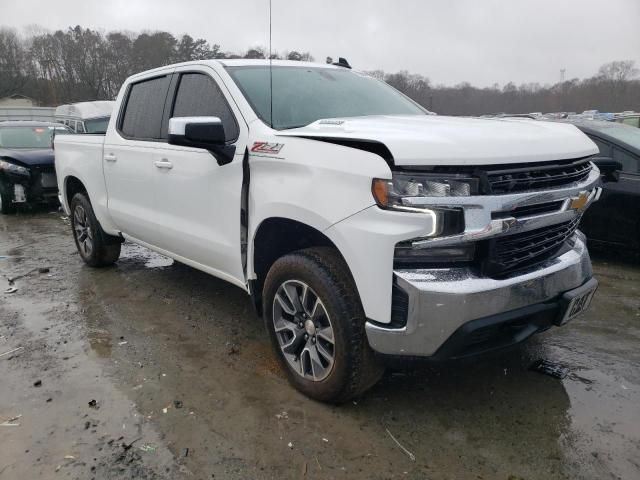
(478, 211)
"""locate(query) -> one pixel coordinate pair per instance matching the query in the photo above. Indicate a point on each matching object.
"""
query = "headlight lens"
(392, 193)
(13, 168)
(396, 194)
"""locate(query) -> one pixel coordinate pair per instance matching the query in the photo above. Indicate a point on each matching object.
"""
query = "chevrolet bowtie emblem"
(579, 202)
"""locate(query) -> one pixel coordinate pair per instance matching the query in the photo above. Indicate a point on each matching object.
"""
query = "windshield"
(623, 133)
(29, 137)
(96, 125)
(302, 95)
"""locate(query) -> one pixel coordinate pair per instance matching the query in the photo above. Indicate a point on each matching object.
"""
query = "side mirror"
(201, 132)
(609, 168)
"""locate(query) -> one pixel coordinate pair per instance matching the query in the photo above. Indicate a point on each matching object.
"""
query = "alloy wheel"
(304, 330)
(82, 230)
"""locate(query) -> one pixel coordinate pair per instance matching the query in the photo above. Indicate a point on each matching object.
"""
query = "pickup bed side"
(82, 169)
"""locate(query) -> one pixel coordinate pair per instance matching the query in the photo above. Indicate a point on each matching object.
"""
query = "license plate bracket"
(575, 302)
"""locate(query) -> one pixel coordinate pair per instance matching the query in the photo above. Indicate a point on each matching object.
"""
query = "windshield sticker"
(266, 147)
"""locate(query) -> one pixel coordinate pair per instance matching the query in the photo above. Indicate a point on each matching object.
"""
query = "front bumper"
(39, 186)
(441, 301)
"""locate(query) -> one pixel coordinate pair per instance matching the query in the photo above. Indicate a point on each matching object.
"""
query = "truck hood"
(36, 157)
(438, 140)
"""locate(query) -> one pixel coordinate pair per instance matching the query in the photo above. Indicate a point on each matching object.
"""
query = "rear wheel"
(96, 248)
(316, 323)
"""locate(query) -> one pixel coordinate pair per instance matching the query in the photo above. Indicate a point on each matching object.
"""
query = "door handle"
(110, 157)
(164, 163)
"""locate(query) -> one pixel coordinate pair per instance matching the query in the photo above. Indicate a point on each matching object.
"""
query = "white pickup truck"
(361, 225)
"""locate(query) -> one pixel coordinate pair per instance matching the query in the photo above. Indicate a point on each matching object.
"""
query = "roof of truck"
(242, 62)
(228, 62)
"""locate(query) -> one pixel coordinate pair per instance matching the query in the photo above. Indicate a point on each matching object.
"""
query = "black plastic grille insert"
(522, 250)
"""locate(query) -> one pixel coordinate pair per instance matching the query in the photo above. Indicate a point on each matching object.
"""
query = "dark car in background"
(27, 170)
(615, 218)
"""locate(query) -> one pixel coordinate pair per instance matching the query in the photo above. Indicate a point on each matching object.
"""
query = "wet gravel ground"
(153, 370)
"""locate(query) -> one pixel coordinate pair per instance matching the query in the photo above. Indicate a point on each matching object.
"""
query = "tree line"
(615, 87)
(80, 64)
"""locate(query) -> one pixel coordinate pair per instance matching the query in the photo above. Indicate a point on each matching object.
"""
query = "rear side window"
(199, 96)
(142, 116)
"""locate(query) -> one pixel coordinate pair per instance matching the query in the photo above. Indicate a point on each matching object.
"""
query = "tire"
(7, 207)
(343, 369)
(96, 248)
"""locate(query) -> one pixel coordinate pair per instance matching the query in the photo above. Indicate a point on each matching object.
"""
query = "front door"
(197, 199)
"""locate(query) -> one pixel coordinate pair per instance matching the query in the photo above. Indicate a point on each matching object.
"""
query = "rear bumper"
(446, 308)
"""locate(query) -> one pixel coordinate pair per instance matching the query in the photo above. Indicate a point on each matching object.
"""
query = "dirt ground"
(153, 370)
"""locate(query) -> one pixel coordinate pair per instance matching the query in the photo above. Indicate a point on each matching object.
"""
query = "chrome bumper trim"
(442, 300)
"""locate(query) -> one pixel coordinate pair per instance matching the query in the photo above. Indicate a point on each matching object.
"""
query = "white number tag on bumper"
(577, 301)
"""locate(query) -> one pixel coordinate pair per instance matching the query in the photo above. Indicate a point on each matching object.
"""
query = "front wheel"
(316, 323)
(96, 248)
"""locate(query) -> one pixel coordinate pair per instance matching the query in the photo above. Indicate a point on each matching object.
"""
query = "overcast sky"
(449, 41)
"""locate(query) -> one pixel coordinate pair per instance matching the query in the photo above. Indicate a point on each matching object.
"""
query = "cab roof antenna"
(270, 71)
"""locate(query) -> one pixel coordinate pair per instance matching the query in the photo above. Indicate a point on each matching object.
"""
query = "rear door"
(129, 152)
(197, 199)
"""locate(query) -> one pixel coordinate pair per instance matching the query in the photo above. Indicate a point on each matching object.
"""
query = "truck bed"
(80, 156)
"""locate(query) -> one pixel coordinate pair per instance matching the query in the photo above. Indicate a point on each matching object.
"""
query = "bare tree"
(257, 52)
(13, 63)
(618, 71)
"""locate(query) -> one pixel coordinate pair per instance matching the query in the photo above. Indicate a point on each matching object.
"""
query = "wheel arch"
(276, 237)
(73, 185)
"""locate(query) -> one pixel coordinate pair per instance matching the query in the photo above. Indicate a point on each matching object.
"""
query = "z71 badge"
(266, 147)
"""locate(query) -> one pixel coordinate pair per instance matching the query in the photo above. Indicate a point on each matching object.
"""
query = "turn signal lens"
(380, 191)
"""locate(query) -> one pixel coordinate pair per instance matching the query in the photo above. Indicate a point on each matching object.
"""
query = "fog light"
(407, 256)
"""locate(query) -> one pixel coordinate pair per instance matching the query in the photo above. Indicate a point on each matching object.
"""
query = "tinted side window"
(630, 164)
(199, 96)
(143, 113)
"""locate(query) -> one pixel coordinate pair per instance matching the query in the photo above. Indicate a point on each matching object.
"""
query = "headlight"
(392, 193)
(395, 194)
(12, 168)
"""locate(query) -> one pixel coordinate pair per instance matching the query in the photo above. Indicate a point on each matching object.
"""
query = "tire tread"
(364, 369)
